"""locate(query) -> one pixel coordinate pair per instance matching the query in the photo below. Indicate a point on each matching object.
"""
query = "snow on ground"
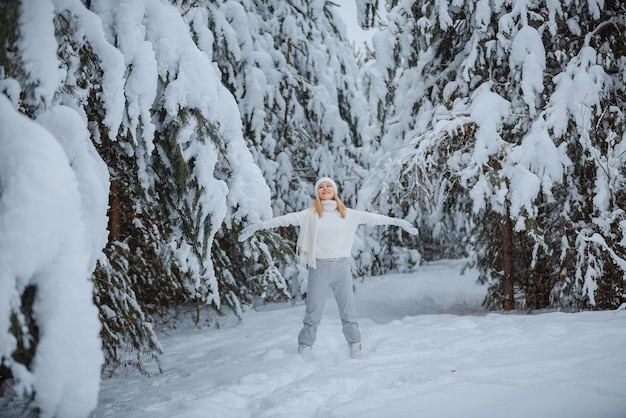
(429, 351)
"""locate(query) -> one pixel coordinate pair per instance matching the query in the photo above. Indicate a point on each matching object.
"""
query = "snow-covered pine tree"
(167, 130)
(510, 120)
(293, 74)
(160, 203)
(586, 111)
(247, 272)
(386, 82)
(53, 194)
(89, 85)
(181, 132)
(135, 248)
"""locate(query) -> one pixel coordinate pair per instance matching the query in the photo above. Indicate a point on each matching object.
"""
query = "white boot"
(304, 351)
(355, 350)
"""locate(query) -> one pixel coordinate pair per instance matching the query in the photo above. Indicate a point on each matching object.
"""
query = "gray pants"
(336, 275)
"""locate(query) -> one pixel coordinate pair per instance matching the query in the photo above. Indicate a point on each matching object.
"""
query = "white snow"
(527, 52)
(429, 350)
(44, 243)
(91, 173)
(111, 61)
(38, 46)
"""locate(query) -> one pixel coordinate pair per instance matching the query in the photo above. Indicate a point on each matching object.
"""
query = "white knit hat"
(328, 179)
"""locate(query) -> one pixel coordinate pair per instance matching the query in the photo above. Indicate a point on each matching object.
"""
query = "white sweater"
(335, 236)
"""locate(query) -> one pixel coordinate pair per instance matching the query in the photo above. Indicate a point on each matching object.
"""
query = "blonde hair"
(317, 205)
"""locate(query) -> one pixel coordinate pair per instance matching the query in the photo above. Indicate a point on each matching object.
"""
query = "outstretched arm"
(294, 218)
(377, 219)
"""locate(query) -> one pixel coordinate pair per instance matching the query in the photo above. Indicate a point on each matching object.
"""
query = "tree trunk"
(507, 263)
(114, 211)
(197, 311)
(286, 115)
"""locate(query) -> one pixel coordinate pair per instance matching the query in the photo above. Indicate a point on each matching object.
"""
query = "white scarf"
(307, 239)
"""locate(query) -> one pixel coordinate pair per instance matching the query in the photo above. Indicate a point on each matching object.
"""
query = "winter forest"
(138, 138)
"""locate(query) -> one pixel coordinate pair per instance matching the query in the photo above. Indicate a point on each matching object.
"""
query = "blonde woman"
(327, 230)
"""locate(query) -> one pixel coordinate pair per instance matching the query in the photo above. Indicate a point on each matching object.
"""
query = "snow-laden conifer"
(187, 168)
(503, 119)
(294, 77)
(171, 138)
(53, 191)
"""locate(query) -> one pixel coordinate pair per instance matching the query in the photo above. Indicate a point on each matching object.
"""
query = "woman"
(325, 242)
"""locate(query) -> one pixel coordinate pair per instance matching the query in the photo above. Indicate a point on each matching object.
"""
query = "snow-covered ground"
(429, 351)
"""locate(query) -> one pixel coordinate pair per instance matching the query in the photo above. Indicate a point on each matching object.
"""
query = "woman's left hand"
(407, 226)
